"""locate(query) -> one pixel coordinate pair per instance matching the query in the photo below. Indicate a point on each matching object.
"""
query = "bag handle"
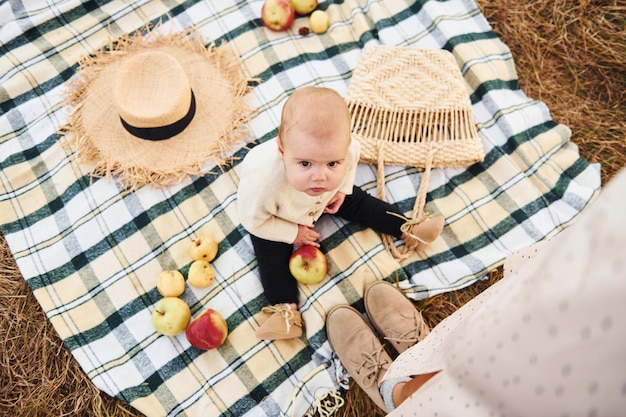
(420, 199)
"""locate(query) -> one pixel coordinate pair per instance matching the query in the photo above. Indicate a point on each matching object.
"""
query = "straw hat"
(150, 109)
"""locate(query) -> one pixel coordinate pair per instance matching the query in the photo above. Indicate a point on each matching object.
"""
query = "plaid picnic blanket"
(91, 254)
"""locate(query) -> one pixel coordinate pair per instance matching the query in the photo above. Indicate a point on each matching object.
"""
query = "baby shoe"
(421, 233)
(359, 349)
(283, 323)
(394, 316)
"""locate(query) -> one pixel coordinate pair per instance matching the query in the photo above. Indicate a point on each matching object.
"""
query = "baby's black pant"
(273, 257)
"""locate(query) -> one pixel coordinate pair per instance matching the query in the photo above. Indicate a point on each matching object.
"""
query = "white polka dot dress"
(549, 339)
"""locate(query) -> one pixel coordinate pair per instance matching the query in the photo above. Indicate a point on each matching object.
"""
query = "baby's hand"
(306, 236)
(334, 203)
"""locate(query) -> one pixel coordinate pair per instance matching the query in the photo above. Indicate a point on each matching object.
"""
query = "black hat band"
(163, 132)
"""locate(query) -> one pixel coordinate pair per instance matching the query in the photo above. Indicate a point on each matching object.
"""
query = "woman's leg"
(395, 391)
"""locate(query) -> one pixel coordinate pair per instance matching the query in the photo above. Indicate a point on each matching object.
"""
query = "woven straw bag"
(410, 106)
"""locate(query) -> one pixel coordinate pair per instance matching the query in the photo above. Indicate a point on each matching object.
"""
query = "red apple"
(303, 7)
(308, 265)
(208, 330)
(277, 15)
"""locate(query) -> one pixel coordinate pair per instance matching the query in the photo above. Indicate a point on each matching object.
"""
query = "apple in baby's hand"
(170, 283)
(277, 15)
(203, 248)
(308, 265)
(303, 7)
(208, 330)
(201, 274)
(171, 316)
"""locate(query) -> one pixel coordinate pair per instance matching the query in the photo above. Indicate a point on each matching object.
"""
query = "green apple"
(207, 331)
(170, 283)
(277, 15)
(201, 274)
(203, 248)
(171, 316)
(303, 7)
(319, 21)
(308, 265)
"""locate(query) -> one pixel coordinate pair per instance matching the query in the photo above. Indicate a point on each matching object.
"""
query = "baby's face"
(314, 164)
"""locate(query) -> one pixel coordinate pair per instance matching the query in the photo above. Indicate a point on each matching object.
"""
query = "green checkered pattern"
(91, 254)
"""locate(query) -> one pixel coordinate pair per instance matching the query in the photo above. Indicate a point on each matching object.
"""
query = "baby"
(287, 183)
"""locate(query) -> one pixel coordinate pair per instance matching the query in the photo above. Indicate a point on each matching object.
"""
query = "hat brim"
(95, 129)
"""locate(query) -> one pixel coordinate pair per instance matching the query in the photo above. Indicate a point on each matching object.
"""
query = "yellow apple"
(303, 7)
(319, 21)
(308, 265)
(200, 274)
(170, 283)
(207, 331)
(171, 316)
(203, 248)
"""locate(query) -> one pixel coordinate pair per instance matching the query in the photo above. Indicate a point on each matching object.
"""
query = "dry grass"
(38, 375)
(570, 54)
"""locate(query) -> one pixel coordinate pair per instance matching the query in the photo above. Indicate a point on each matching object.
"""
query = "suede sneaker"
(394, 316)
(359, 349)
(283, 323)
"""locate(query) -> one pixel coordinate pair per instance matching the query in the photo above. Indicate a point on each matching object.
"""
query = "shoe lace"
(285, 311)
(409, 223)
(372, 364)
(327, 405)
(413, 335)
